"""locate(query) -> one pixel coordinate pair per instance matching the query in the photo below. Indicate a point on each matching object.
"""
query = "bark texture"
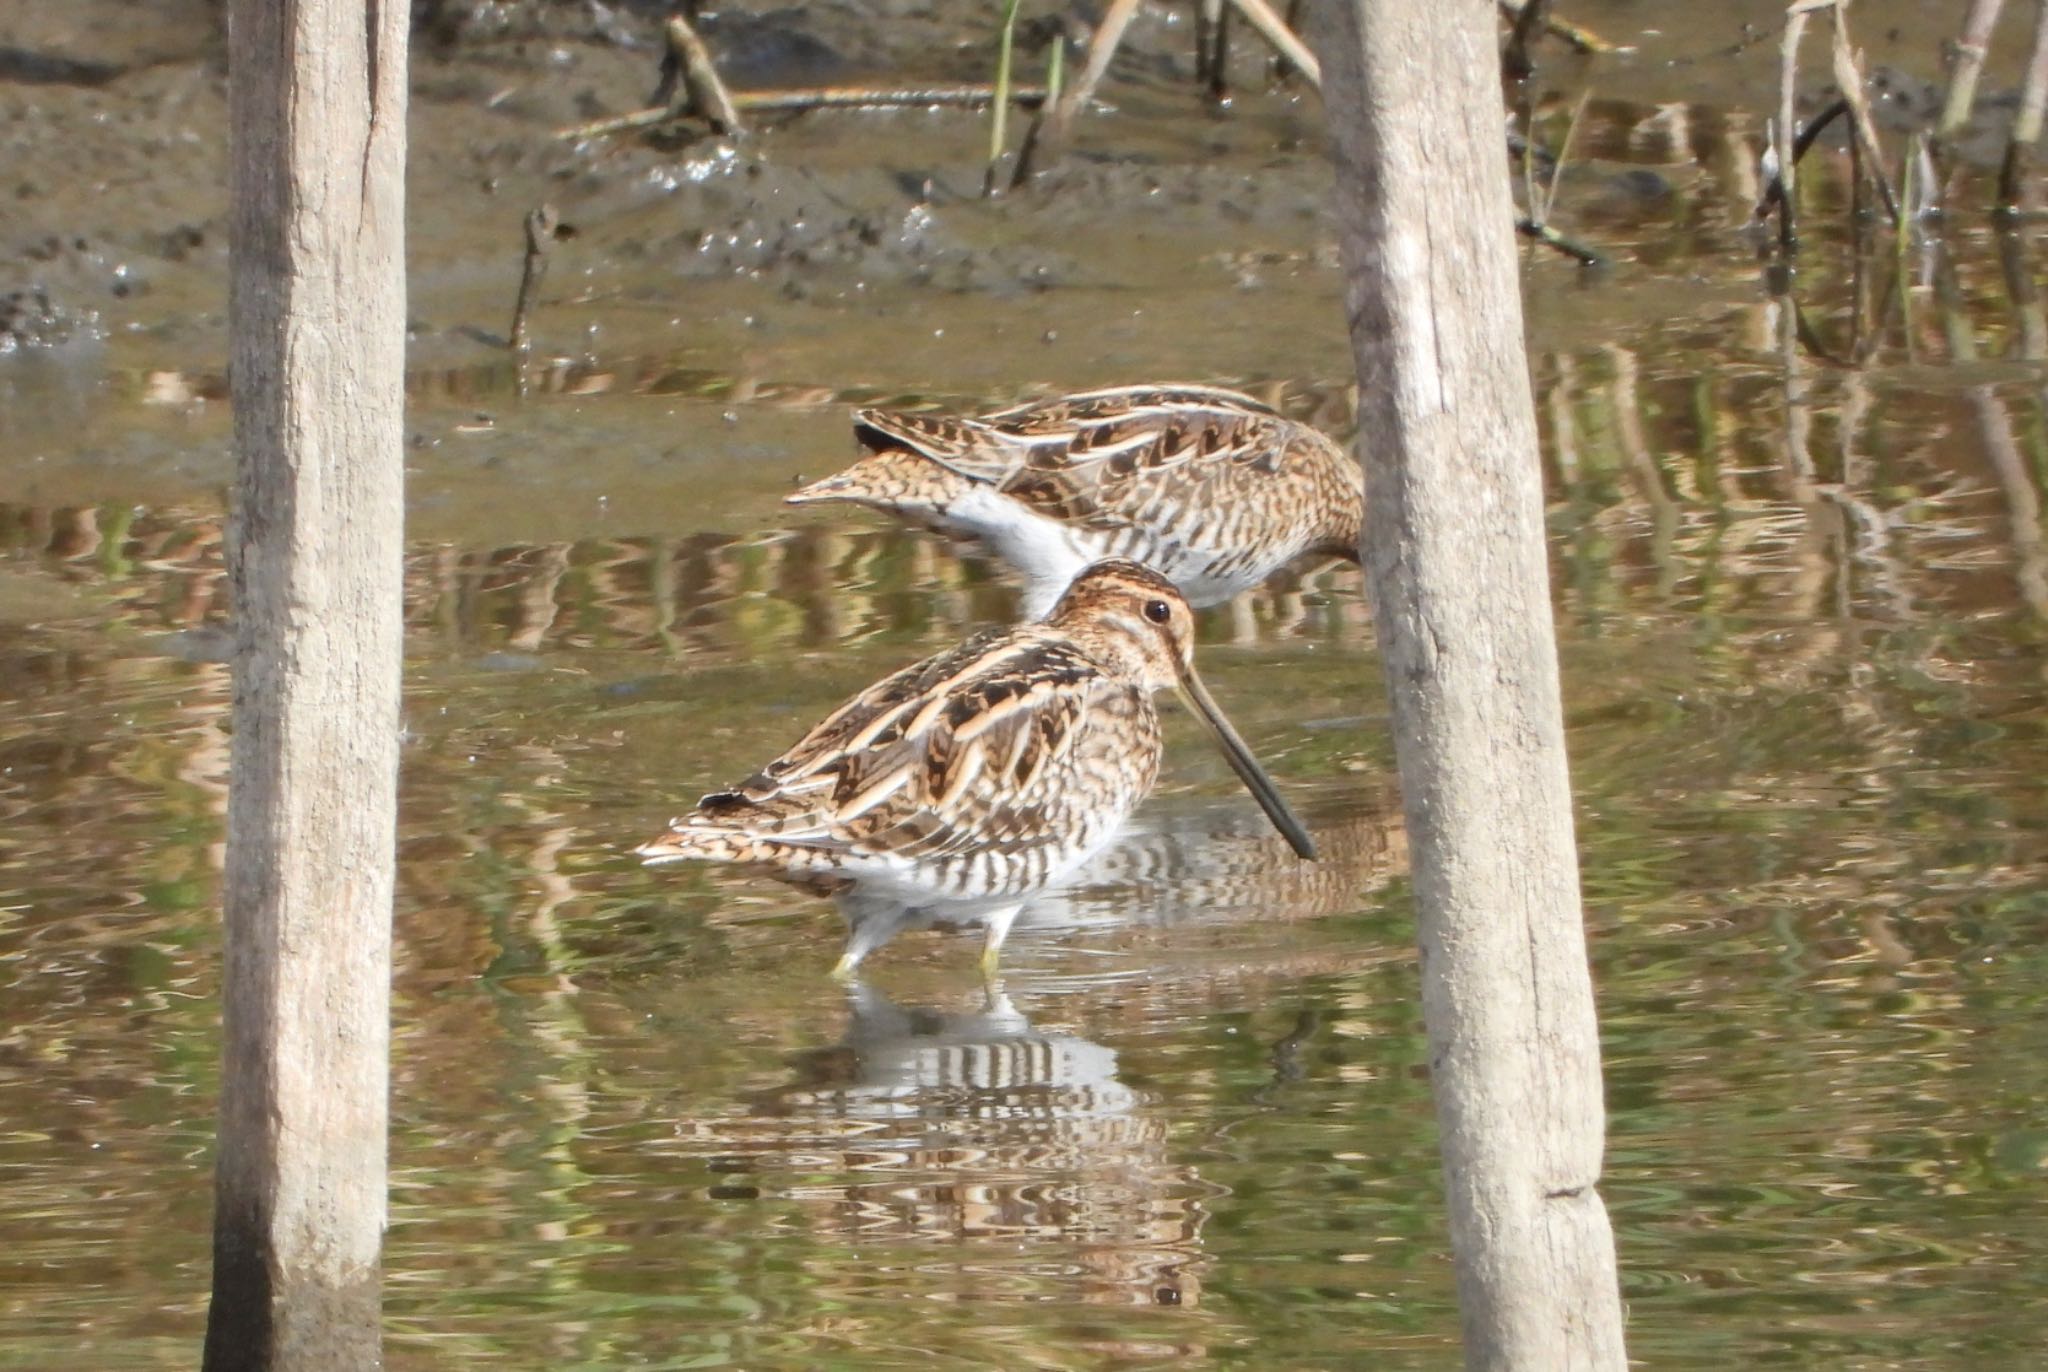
(317, 314)
(1454, 552)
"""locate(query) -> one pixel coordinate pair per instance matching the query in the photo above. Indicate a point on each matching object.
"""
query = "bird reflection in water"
(982, 1128)
(964, 1123)
(1189, 860)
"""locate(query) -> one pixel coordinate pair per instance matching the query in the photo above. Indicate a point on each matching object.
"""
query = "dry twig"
(1284, 40)
(1784, 128)
(703, 92)
(1849, 78)
(1971, 50)
(542, 225)
(1046, 137)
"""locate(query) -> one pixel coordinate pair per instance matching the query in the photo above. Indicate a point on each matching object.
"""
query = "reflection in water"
(1183, 863)
(702, 594)
(987, 1131)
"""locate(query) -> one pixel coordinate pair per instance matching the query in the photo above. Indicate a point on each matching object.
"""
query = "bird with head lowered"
(956, 789)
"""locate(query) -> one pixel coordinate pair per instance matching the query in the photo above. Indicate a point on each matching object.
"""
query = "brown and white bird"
(960, 787)
(1208, 487)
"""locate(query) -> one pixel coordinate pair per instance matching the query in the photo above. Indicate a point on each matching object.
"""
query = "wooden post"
(317, 322)
(1455, 557)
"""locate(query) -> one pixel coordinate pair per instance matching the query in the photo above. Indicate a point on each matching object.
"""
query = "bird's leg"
(999, 922)
(871, 921)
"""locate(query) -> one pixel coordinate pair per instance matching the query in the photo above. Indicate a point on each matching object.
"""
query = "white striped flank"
(1209, 487)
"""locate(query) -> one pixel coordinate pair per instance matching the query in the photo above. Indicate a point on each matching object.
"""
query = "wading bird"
(1211, 489)
(960, 787)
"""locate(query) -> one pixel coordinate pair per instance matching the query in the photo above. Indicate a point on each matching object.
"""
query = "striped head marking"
(896, 481)
(1133, 620)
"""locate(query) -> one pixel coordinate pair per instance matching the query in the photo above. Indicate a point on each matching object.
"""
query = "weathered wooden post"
(317, 317)
(1455, 558)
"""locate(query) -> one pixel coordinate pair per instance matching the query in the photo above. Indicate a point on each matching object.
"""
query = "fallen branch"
(969, 95)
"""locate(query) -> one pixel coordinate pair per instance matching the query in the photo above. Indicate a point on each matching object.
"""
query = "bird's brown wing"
(935, 759)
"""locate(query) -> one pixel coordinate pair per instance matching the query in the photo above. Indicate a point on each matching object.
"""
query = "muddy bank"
(114, 230)
(843, 250)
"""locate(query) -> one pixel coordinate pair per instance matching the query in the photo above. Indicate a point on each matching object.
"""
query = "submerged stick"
(1282, 68)
(2024, 295)
(965, 94)
(1212, 45)
(2000, 444)
(2026, 126)
(1055, 85)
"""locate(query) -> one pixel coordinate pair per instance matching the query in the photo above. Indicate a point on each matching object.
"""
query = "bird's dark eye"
(1158, 611)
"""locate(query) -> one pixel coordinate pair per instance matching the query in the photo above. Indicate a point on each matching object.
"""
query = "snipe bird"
(1210, 488)
(960, 787)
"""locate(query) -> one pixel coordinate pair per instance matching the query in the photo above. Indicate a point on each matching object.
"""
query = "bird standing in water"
(1210, 488)
(960, 787)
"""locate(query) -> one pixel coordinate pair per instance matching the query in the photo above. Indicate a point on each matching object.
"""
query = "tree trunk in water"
(1455, 558)
(317, 318)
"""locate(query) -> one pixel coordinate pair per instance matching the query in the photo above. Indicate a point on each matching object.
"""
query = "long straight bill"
(1245, 765)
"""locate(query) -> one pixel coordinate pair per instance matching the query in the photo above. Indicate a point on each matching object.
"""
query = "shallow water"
(1801, 591)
